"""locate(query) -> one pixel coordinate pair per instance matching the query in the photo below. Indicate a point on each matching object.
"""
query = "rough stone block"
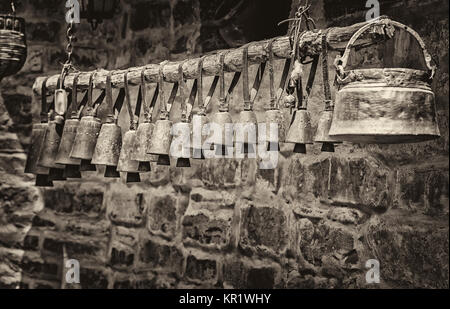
(93, 278)
(125, 207)
(263, 228)
(161, 255)
(240, 273)
(201, 269)
(209, 229)
(162, 212)
(412, 249)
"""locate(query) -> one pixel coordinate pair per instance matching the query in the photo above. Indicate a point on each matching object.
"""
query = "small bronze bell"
(162, 138)
(37, 141)
(87, 134)
(183, 128)
(50, 150)
(275, 118)
(300, 132)
(222, 119)
(109, 142)
(72, 166)
(126, 163)
(323, 129)
(326, 117)
(145, 130)
(38, 137)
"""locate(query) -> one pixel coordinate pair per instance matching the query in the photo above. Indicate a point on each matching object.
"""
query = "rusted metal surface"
(67, 139)
(50, 146)
(86, 138)
(300, 131)
(126, 164)
(109, 143)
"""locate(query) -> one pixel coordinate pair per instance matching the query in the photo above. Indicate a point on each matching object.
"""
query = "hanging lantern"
(13, 47)
(384, 105)
(109, 142)
(95, 11)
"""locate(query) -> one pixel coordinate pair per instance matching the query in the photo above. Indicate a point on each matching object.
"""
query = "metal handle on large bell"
(380, 105)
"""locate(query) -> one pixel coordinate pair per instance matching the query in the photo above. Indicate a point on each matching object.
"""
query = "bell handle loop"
(128, 101)
(90, 103)
(44, 108)
(386, 21)
(223, 106)
(191, 99)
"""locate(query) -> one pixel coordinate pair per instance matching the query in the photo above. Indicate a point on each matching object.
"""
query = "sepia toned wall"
(312, 222)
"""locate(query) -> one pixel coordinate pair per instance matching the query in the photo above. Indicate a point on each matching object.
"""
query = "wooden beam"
(337, 38)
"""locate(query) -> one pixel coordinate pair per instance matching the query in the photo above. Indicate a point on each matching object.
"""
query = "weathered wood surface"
(310, 45)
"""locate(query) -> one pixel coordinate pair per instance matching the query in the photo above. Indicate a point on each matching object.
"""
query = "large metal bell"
(85, 141)
(323, 129)
(65, 147)
(300, 132)
(161, 140)
(143, 136)
(222, 142)
(248, 137)
(107, 149)
(126, 163)
(37, 141)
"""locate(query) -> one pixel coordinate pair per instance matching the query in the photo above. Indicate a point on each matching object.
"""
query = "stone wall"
(313, 222)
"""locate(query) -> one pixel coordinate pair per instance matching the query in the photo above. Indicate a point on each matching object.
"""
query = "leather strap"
(44, 108)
